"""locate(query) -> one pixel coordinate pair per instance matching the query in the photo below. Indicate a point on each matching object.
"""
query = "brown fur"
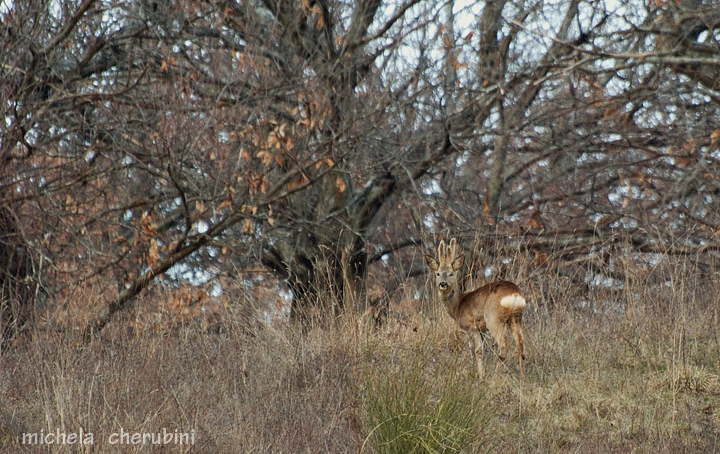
(480, 310)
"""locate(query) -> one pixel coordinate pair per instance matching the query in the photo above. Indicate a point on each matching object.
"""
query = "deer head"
(446, 266)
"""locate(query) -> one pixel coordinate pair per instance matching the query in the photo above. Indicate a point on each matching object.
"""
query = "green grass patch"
(416, 405)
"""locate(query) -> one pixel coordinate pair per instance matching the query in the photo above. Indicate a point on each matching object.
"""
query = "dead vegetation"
(635, 370)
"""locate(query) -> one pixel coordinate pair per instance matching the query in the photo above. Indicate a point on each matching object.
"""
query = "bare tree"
(316, 138)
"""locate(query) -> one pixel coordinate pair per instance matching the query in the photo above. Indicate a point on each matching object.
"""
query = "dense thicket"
(197, 140)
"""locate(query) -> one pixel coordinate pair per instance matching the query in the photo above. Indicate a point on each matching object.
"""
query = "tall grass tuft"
(422, 406)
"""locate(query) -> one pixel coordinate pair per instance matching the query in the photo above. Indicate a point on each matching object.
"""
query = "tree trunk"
(491, 207)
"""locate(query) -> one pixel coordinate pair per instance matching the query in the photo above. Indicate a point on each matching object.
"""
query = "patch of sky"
(489, 271)
(541, 130)
(512, 218)
(32, 136)
(694, 98)
(632, 192)
(216, 291)
(654, 120)
(625, 223)
(587, 158)
(610, 137)
(201, 226)
(430, 223)
(194, 275)
(281, 311)
(462, 158)
(601, 280)
(465, 14)
(431, 187)
(113, 19)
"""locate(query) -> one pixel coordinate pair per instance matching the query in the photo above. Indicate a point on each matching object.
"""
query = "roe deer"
(488, 308)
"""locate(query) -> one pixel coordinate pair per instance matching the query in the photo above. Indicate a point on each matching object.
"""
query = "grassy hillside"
(629, 370)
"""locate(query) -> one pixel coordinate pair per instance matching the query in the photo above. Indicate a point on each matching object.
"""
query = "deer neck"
(451, 299)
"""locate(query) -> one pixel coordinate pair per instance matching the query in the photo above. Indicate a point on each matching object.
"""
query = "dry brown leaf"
(249, 209)
(340, 184)
(715, 137)
(248, 226)
(153, 253)
(148, 224)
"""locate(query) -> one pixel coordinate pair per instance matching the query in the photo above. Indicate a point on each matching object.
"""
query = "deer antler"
(447, 253)
(442, 257)
(452, 250)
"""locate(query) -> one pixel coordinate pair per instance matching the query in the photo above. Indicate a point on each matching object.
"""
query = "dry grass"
(636, 370)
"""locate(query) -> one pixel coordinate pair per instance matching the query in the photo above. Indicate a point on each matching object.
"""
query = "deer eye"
(437, 274)
(452, 274)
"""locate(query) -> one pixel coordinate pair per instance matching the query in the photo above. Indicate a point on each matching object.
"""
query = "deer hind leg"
(497, 331)
(516, 328)
(478, 350)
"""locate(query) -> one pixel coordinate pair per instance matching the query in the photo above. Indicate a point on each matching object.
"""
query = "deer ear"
(458, 262)
(432, 263)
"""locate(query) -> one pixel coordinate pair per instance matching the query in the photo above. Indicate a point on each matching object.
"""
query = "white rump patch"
(513, 302)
